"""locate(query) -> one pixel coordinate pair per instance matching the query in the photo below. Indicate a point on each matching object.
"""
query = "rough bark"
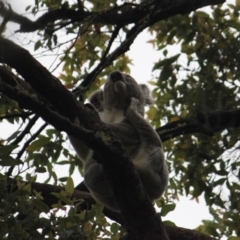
(123, 14)
(45, 95)
(42, 93)
(174, 233)
(206, 123)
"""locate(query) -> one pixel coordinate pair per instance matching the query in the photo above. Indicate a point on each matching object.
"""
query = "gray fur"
(121, 106)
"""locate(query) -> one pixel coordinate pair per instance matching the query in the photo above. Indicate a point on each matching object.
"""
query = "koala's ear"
(96, 99)
(147, 95)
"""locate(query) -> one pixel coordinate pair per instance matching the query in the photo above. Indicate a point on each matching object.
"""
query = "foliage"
(202, 76)
(205, 78)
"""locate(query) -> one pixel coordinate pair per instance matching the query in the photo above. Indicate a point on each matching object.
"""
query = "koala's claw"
(133, 107)
(92, 108)
(134, 103)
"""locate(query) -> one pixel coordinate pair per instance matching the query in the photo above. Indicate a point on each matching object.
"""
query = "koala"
(121, 106)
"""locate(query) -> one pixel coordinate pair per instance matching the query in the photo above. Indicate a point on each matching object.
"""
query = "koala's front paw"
(92, 108)
(133, 106)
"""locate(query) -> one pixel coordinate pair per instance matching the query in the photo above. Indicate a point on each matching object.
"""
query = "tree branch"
(32, 96)
(19, 138)
(31, 123)
(206, 123)
(120, 15)
(46, 190)
(45, 95)
(23, 115)
(107, 60)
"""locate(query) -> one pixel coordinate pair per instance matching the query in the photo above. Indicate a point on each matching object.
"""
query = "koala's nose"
(115, 76)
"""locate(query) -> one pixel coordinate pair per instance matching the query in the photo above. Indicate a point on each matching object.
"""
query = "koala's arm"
(83, 152)
(149, 161)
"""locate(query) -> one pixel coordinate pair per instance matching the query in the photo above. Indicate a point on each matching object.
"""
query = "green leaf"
(3, 177)
(165, 73)
(69, 187)
(38, 144)
(41, 170)
(37, 45)
(61, 196)
(169, 223)
(40, 205)
(82, 215)
(9, 161)
(71, 211)
(13, 136)
(202, 14)
(188, 49)
(27, 8)
(7, 149)
(167, 208)
(114, 228)
(166, 62)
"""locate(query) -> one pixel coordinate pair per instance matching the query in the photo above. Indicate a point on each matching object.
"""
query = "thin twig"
(124, 47)
(26, 130)
(26, 144)
(114, 35)
(23, 115)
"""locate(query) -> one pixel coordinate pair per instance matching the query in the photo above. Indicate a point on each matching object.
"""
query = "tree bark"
(45, 95)
(124, 14)
(173, 232)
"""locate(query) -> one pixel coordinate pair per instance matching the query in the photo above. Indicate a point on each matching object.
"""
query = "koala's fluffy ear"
(148, 98)
(96, 99)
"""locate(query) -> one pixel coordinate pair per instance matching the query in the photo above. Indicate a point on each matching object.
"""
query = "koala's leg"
(99, 186)
(94, 177)
(149, 161)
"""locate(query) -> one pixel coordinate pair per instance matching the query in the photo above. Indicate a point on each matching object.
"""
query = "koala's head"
(117, 92)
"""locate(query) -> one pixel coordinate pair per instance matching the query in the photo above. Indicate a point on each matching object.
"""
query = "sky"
(188, 213)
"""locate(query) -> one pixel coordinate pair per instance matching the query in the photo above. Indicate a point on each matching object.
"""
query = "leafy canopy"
(197, 76)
